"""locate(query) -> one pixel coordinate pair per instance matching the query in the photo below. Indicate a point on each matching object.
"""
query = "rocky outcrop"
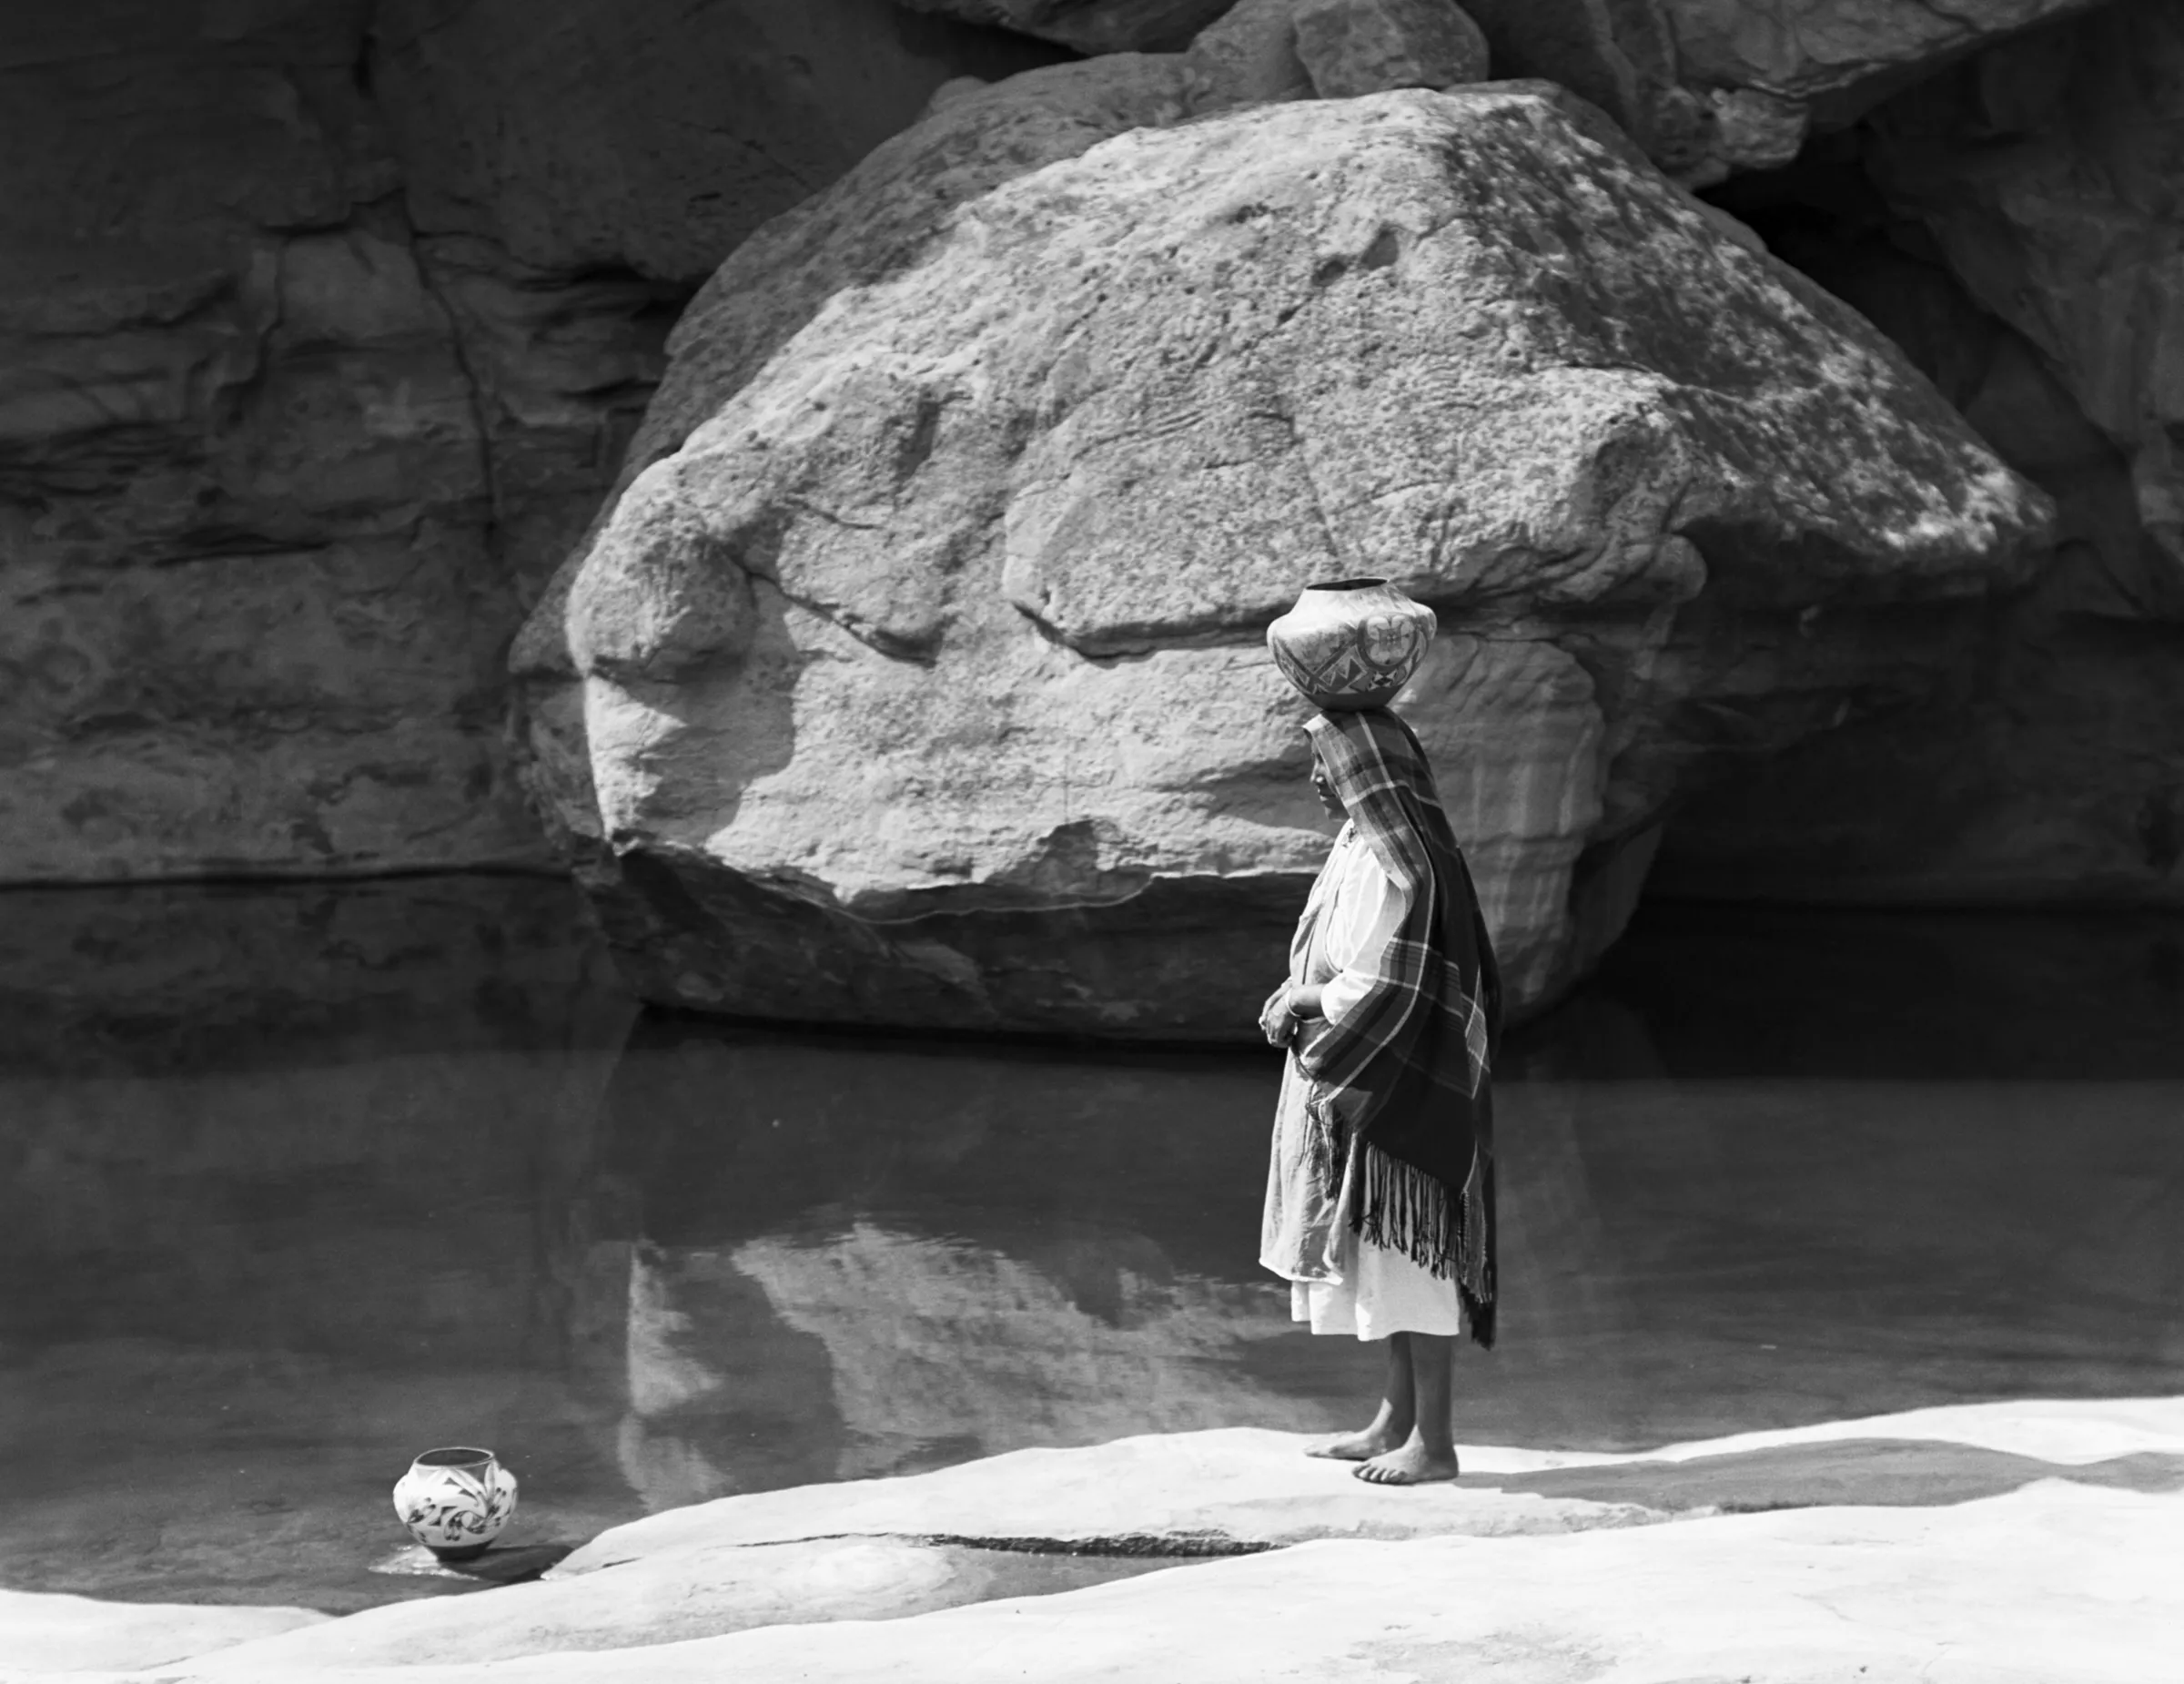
(323, 329)
(1624, 56)
(1088, 25)
(1248, 58)
(2050, 174)
(1370, 46)
(1753, 75)
(324, 335)
(1706, 86)
(2014, 225)
(1261, 51)
(921, 683)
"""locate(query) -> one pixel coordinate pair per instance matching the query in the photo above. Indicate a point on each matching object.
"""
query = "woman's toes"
(1409, 1466)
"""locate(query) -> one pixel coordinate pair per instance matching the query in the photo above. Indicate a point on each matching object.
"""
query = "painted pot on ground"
(1352, 643)
(456, 1501)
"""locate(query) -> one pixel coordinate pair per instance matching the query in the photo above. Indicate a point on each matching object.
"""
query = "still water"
(295, 1184)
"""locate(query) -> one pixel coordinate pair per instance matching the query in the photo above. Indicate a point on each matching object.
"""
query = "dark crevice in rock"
(1118, 646)
(473, 385)
(239, 547)
(917, 651)
(1123, 1545)
(1180, 1545)
(917, 450)
(363, 69)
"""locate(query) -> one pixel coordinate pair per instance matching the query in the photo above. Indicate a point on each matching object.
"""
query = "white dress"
(1339, 1282)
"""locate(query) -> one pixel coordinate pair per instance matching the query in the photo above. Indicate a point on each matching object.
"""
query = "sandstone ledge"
(2004, 1541)
(43, 1634)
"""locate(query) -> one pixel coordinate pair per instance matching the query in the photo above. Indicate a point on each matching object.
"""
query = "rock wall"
(323, 326)
(917, 677)
(2015, 225)
(328, 328)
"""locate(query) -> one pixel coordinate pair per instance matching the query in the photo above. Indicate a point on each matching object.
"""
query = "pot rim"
(1344, 584)
(454, 1456)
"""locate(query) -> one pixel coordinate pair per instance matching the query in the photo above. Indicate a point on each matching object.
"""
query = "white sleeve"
(1374, 906)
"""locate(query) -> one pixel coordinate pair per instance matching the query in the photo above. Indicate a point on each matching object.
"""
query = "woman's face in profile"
(1324, 788)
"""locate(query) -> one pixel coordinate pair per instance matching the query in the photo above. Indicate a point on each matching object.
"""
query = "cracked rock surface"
(917, 677)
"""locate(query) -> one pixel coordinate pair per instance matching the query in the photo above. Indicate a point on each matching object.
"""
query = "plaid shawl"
(1410, 1067)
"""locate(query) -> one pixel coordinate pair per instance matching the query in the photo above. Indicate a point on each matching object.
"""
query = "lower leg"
(1433, 1363)
(1394, 1421)
(1428, 1451)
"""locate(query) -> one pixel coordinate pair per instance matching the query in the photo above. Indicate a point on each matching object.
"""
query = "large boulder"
(882, 217)
(916, 675)
(323, 327)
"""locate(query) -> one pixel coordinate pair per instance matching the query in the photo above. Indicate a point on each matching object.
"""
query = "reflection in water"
(294, 1183)
(877, 1352)
(942, 1349)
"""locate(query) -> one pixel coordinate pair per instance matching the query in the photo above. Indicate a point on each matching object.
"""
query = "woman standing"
(1380, 1194)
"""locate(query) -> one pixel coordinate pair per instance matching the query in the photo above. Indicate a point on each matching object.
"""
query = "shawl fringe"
(1401, 1208)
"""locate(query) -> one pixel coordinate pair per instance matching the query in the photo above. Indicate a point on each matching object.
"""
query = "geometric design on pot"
(456, 1501)
(1352, 643)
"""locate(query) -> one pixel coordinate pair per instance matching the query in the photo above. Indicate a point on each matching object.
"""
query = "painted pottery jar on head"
(1352, 643)
(456, 1501)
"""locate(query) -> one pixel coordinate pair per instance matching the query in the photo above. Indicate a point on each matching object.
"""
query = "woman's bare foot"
(1411, 1463)
(1358, 1446)
(1387, 1429)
